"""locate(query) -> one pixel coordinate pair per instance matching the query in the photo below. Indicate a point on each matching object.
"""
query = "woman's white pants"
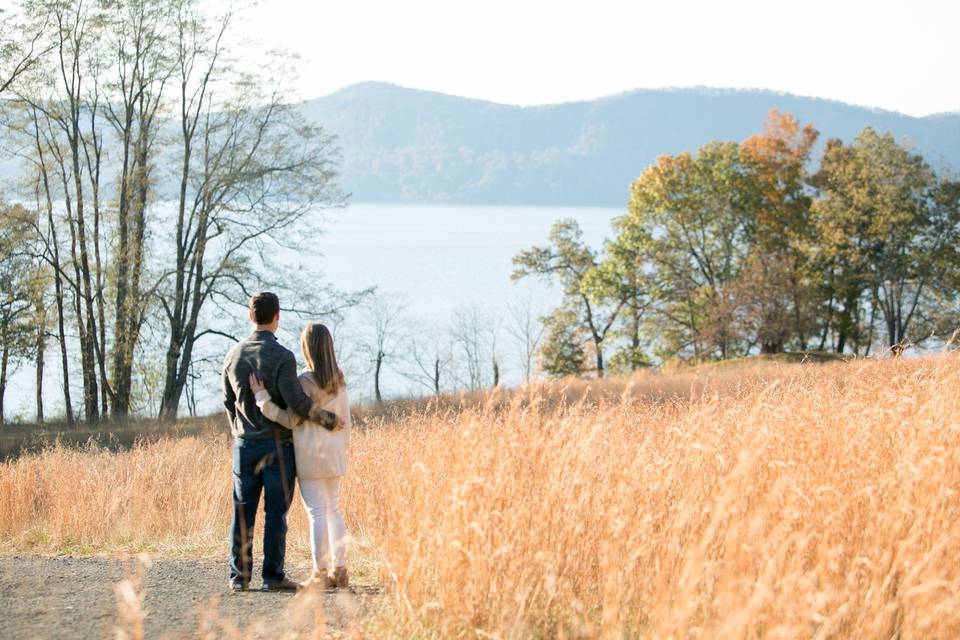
(328, 532)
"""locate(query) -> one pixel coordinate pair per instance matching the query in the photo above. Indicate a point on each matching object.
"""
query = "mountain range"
(408, 145)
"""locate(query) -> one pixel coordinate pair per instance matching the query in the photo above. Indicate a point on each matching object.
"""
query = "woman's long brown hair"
(317, 345)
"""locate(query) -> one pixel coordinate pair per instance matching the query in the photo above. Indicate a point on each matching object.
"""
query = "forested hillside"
(402, 144)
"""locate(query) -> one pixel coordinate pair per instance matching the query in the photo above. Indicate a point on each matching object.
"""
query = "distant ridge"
(703, 90)
(402, 144)
(410, 145)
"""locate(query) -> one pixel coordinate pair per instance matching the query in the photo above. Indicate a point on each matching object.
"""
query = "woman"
(321, 454)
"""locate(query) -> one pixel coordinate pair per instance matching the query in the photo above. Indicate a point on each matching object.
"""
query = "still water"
(444, 256)
(441, 258)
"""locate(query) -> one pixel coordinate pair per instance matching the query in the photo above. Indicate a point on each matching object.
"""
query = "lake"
(444, 256)
(437, 257)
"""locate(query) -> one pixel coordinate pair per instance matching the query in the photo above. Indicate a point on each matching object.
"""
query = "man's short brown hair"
(264, 307)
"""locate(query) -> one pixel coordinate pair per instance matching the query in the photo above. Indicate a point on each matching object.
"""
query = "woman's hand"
(255, 385)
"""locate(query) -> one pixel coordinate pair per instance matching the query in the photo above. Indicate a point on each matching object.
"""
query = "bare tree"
(475, 334)
(466, 332)
(108, 68)
(430, 358)
(47, 247)
(493, 328)
(385, 333)
(140, 40)
(250, 171)
(526, 329)
(58, 98)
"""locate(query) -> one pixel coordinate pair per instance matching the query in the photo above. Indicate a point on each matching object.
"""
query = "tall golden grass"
(810, 501)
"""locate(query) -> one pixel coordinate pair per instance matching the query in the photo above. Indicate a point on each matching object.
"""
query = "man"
(263, 460)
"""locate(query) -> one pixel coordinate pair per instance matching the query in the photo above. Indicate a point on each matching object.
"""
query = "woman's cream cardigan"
(320, 453)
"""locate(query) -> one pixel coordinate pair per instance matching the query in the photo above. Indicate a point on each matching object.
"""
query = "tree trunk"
(4, 362)
(86, 326)
(873, 318)
(128, 301)
(101, 303)
(93, 173)
(599, 357)
(848, 320)
(88, 333)
(40, 348)
(184, 315)
(170, 401)
(436, 376)
(826, 326)
(795, 289)
(191, 392)
(635, 340)
(183, 323)
(496, 373)
(178, 373)
(62, 340)
(122, 260)
(119, 409)
(183, 335)
(88, 358)
(376, 377)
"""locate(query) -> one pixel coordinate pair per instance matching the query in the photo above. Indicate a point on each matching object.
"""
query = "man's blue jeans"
(268, 467)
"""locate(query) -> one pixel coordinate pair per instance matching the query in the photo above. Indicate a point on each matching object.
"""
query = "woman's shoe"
(340, 578)
(321, 579)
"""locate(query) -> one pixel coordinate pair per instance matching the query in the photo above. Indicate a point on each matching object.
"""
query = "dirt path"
(61, 597)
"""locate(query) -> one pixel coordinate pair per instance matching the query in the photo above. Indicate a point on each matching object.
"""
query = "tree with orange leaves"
(778, 293)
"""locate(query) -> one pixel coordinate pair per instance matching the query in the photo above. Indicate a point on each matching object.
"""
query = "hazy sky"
(902, 55)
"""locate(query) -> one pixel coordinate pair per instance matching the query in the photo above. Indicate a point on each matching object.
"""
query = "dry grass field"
(779, 501)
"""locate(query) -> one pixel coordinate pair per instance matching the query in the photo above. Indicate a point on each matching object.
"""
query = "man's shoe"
(237, 586)
(284, 585)
(341, 578)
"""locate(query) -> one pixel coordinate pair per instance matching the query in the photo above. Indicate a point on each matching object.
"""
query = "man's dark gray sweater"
(260, 353)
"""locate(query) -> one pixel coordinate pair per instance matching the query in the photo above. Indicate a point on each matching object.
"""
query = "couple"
(286, 428)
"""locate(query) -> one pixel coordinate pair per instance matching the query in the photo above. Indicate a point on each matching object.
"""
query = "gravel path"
(62, 597)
